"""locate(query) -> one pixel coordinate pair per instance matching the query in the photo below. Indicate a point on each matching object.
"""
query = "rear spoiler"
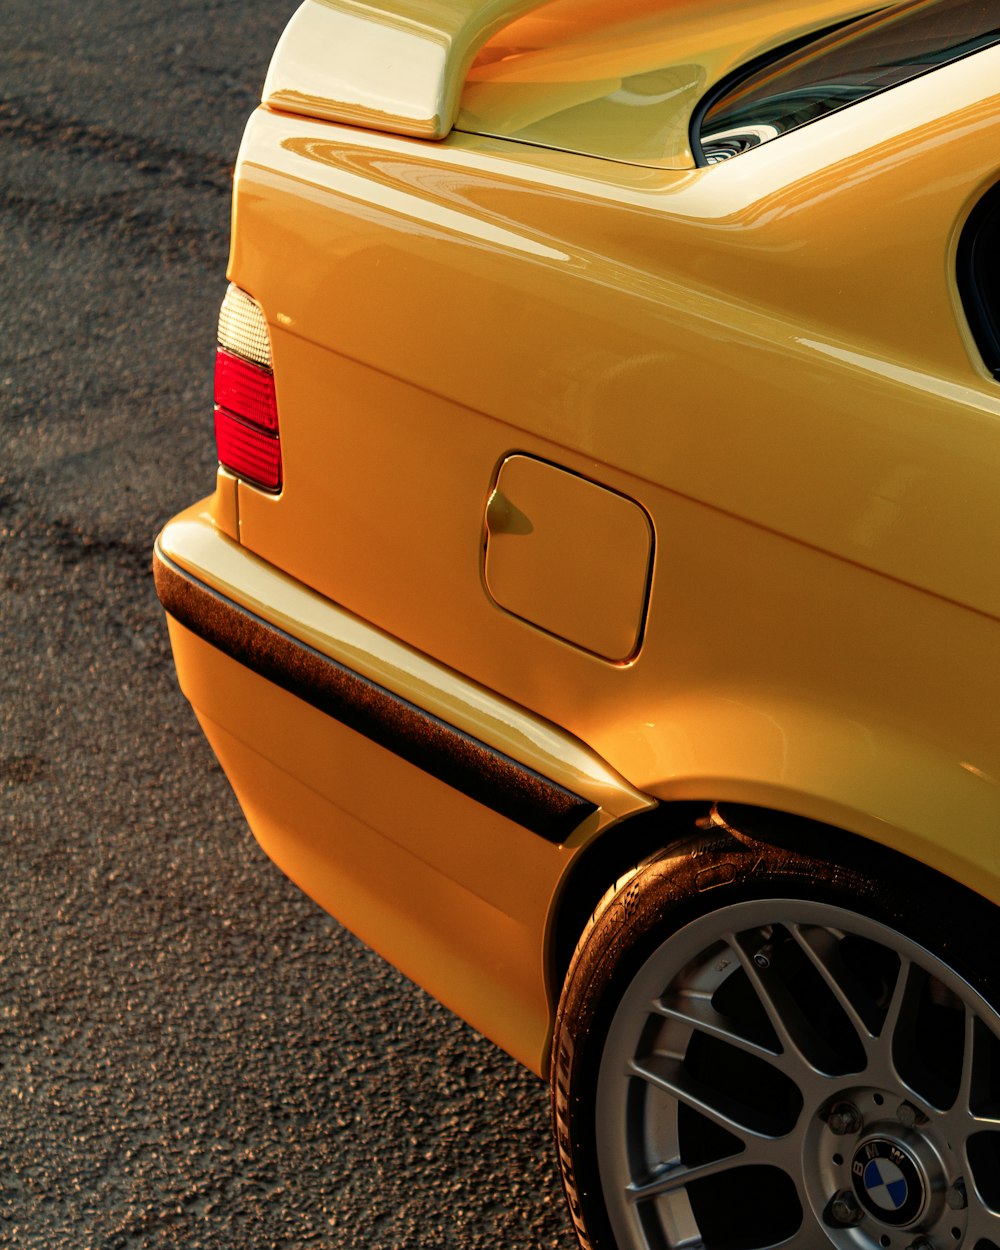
(395, 65)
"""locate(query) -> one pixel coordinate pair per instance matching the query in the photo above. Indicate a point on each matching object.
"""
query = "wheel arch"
(868, 785)
(626, 844)
(595, 869)
(620, 996)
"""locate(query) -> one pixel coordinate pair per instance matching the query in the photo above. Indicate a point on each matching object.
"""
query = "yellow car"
(598, 608)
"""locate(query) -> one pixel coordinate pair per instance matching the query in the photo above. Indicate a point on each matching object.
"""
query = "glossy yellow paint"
(194, 542)
(455, 895)
(614, 78)
(621, 80)
(568, 556)
(319, 797)
(822, 637)
(643, 285)
(769, 357)
(392, 65)
(225, 504)
(770, 673)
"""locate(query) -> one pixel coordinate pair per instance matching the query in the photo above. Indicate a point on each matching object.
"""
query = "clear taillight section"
(242, 328)
(246, 409)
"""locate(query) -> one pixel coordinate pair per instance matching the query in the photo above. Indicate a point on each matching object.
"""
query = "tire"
(756, 1048)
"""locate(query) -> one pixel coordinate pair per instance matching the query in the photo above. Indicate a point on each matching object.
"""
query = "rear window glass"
(979, 277)
(845, 66)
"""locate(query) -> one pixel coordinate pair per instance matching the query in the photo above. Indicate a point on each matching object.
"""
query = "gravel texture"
(193, 1055)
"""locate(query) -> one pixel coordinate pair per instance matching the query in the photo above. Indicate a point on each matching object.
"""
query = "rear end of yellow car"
(577, 504)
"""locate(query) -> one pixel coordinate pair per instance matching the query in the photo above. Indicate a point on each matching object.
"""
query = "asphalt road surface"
(193, 1055)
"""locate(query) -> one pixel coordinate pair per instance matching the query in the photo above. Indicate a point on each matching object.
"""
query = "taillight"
(246, 409)
(245, 389)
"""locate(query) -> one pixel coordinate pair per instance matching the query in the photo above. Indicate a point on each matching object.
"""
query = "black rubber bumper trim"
(452, 756)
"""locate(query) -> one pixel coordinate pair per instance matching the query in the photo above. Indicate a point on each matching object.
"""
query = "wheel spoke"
(963, 1119)
(983, 1225)
(974, 1090)
(966, 1088)
(898, 1027)
(668, 1075)
(800, 1042)
(703, 1017)
(895, 1014)
(822, 948)
(730, 1049)
(676, 1176)
(804, 1239)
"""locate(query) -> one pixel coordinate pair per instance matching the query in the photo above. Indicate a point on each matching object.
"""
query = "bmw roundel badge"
(888, 1182)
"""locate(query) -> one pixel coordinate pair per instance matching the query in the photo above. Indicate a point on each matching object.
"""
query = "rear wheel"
(756, 1049)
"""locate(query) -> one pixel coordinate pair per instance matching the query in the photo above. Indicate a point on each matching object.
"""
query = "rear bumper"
(455, 758)
(431, 817)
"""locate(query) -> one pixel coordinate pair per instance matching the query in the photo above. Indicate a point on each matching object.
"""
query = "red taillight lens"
(246, 408)
(248, 451)
(245, 389)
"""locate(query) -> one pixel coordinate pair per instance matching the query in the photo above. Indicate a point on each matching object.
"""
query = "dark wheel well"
(614, 852)
(626, 844)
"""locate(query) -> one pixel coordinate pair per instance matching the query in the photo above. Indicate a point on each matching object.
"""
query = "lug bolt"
(909, 1116)
(845, 1209)
(844, 1118)
(956, 1197)
(921, 1243)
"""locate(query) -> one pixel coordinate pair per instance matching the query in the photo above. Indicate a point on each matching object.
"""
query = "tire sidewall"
(673, 888)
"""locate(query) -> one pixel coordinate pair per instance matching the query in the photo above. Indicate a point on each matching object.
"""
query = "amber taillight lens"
(246, 407)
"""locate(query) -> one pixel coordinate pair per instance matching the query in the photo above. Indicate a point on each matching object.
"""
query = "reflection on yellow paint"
(428, 213)
(622, 84)
(893, 371)
(978, 772)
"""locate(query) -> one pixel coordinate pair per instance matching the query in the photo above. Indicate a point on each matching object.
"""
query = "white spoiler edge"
(395, 65)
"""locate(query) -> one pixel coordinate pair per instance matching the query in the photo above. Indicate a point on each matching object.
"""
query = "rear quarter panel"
(769, 356)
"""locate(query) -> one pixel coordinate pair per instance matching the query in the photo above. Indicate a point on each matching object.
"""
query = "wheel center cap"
(888, 1181)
